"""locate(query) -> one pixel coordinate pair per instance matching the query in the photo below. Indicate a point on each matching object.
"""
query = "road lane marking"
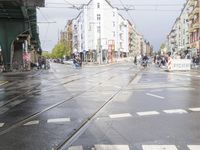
(137, 79)
(3, 82)
(159, 147)
(148, 113)
(157, 90)
(120, 115)
(76, 148)
(194, 147)
(175, 111)
(156, 96)
(112, 147)
(34, 122)
(58, 120)
(1, 125)
(195, 109)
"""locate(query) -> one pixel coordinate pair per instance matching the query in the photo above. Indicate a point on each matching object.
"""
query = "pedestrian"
(135, 60)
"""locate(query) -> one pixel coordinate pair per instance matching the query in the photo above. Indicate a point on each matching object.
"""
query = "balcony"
(172, 41)
(196, 11)
(191, 16)
(191, 30)
(192, 3)
(173, 34)
(196, 25)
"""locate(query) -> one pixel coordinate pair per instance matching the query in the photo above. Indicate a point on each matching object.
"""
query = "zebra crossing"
(153, 113)
(143, 147)
(116, 116)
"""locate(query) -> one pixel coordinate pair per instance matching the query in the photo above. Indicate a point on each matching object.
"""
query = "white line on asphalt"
(194, 147)
(157, 90)
(194, 109)
(58, 120)
(76, 148)
(159, 147)
(1, 124)
(175, 111)
(112, 147)
(34, 122)
(5, 82)
(148, 113)
(120, 115)
(137, 79)
(156, 96)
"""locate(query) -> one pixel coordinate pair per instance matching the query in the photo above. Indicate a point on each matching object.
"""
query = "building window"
(98, 17)
(113, 24)
(113, 34)
(98, 5)
(98, 29)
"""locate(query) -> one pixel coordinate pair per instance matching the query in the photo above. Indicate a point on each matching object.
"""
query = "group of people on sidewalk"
(196, 60)
(43, 63)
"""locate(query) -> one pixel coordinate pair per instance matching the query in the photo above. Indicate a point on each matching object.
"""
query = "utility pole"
(100, 47)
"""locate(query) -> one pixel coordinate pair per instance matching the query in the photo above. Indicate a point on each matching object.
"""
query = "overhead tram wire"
(125, 7)
(127, 11)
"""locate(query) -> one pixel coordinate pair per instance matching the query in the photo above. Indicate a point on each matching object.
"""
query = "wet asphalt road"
(114, 107)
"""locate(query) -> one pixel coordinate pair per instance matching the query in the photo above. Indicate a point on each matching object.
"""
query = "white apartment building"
(178, 38)
(100, 32)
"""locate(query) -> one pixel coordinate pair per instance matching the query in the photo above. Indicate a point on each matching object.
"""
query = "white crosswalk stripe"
(156, 96)
(58, 120)
(194, 147)
(1, 124)
(120, 115)
(112, 147)
(159, 147)
(195, 109)
(76, 148)
(148, 113)
(34, 122)
(175, 111)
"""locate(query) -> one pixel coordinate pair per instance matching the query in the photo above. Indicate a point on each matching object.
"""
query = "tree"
(162, 46)
(46, 54)
(61, 49)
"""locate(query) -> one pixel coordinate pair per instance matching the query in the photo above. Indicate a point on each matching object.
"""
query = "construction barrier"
(179, 65)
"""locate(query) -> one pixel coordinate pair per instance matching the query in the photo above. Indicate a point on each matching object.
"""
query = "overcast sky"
(153, 18)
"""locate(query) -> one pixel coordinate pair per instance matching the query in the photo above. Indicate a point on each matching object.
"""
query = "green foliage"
(46, 54)
(162, 46)
(61, 49)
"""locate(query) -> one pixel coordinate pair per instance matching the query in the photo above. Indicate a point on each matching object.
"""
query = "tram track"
(36, 114)
(10, 100)
(76, 133)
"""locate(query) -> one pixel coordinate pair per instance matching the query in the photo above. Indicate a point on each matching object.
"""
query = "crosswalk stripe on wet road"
(159, 147)
(111, 147)
(148, 113)
(120, 115)
(194, 147)
(194, 109)
(58, 120)
(1, 124)
(76, 148)
(175, 111)
(34, 122)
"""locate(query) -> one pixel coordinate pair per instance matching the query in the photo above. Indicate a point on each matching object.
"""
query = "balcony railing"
(192, 3)
(196, 25)
(196, 10)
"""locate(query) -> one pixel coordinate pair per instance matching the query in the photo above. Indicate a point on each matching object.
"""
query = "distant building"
(185, 34)
(100, 34)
